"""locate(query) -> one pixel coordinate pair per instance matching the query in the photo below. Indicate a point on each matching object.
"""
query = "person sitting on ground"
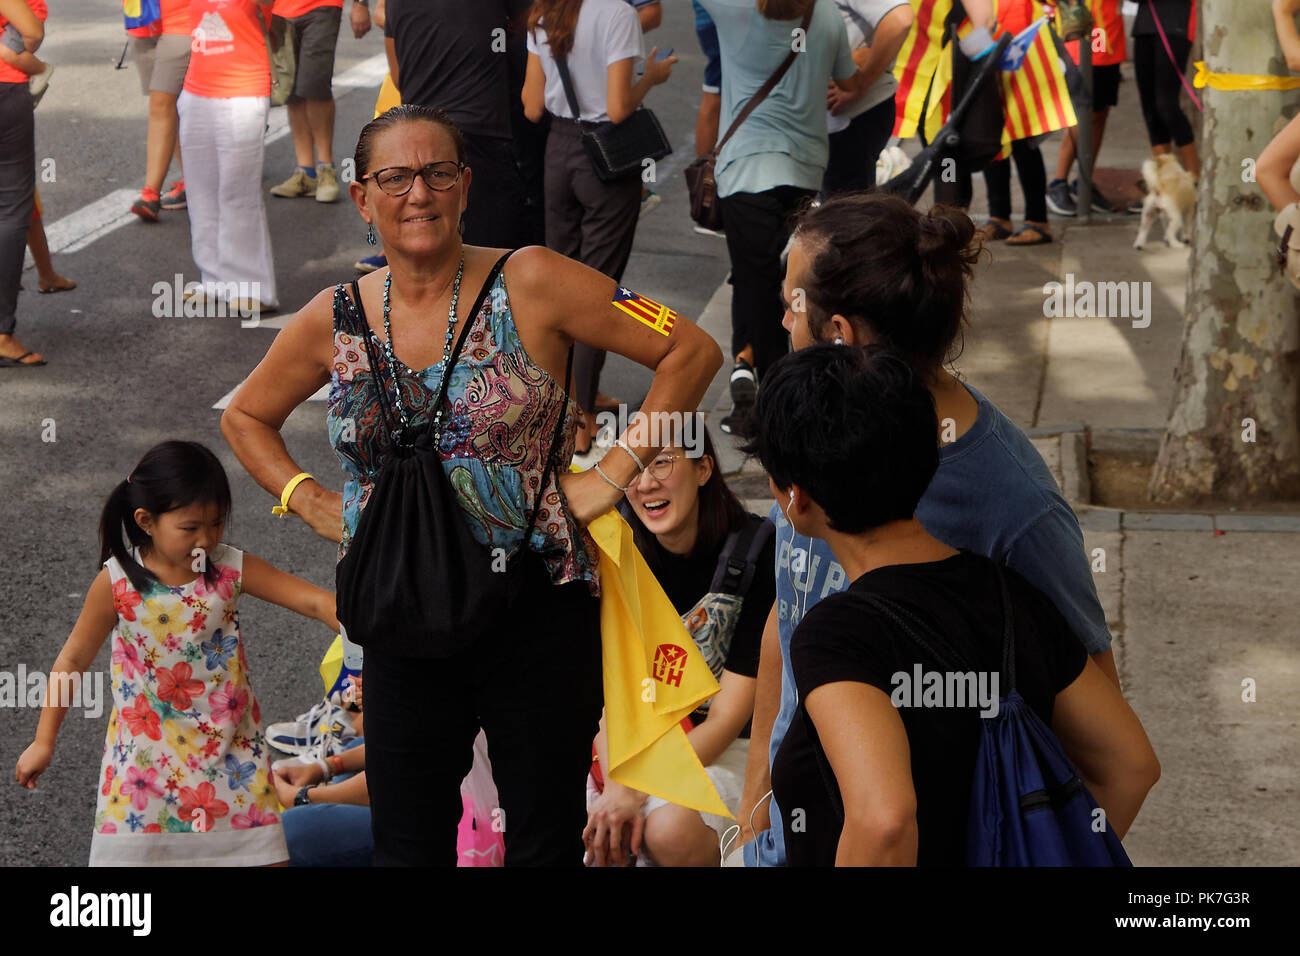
(846, 436)
(691, 528)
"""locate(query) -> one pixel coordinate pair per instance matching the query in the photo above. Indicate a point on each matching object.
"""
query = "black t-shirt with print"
(686, 579)
(842, 639)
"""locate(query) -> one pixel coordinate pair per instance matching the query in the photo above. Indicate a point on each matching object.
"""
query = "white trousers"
(221, 140)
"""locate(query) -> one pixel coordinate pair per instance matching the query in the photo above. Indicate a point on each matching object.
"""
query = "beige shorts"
(161, 62)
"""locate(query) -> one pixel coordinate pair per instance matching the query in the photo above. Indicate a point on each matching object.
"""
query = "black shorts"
(1105, 87)
(315, 35)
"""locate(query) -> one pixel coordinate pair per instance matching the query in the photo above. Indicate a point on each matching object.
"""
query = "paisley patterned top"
(497, 430)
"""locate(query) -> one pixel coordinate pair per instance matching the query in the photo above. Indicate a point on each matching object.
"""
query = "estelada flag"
(143, 17)
(1035, 99)
(388, 96)
(646, 311)
(654, 675)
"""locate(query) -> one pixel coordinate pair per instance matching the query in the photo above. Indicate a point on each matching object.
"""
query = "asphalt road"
(119, 380)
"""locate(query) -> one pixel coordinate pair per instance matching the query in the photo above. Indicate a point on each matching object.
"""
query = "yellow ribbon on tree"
(1241, 81)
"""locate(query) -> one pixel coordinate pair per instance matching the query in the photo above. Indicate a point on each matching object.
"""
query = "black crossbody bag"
(415, 581)
(617, 149)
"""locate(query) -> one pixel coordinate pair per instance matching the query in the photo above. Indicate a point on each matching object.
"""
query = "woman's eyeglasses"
(662, 467)
(397, 180)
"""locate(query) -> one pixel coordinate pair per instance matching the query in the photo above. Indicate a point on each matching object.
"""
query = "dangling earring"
(370, 235)
(839, 341)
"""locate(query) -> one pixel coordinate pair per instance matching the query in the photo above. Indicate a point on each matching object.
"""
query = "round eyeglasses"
(662, 467)
(397, 180)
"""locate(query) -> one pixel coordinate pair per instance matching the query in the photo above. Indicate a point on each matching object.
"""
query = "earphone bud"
(791, 496)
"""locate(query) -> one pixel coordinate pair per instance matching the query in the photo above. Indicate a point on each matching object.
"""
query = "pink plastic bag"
(480, 840)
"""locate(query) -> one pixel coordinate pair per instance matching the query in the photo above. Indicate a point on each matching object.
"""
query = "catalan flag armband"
(646, 311)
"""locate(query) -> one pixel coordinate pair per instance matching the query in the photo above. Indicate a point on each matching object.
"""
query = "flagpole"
(1083, 206)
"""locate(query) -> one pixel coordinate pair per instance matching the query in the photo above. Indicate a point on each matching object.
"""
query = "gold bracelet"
(282, 508)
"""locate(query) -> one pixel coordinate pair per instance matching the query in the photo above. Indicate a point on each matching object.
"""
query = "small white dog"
(1171, 190)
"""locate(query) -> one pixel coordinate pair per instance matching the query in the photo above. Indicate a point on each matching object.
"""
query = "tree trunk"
(1238, 375)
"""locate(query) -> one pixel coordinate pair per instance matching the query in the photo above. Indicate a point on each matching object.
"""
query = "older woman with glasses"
(531, 680)
(715, 562)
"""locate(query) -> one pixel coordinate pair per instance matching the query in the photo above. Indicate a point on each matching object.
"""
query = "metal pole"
(1083, 151)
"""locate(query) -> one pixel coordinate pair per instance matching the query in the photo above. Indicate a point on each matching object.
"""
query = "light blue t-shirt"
(784, 141)
(1017, 516)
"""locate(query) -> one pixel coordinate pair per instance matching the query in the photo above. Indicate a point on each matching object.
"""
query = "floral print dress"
(185, 779)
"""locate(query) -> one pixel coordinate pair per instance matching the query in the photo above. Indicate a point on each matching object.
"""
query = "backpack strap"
(566, 79)
(738, 560)
(1008, 631)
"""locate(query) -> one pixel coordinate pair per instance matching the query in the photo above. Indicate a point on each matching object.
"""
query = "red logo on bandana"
(670, 662)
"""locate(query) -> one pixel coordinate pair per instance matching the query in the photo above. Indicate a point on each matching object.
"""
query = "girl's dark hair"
(561, 18)
(171, 475)
(900, 273)
(406, 113)
(720, 514)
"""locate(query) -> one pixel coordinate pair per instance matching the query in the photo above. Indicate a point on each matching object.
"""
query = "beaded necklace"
(446, 345)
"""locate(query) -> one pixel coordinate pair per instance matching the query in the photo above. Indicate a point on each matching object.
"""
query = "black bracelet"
(300, 798)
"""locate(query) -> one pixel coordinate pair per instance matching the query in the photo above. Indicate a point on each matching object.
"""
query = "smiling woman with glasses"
(502, 427)
(715, 562)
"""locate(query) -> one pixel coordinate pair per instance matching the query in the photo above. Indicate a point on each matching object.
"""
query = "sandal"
(1033, 236)
(992, 230)
(7, 362)
(60, 284)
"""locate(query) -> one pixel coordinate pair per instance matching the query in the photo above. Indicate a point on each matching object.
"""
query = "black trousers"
(757, 227)
(1159, 88)
(537, 693)
(17, 193)
(496, 214)
(855, 149)
(1033, 181)
(591, 221)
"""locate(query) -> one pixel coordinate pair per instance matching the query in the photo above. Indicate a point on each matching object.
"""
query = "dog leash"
(1173, 62)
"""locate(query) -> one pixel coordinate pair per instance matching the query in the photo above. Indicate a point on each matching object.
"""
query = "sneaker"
(1059, 198)
(39, 83)
(649, 199)
(1099, 201)
(370, 263)
(146, 209)
(327, 183)
(309, 730)
(174, 197)
(705, 231)
(299, 184)
(744, 384)
(738, 423)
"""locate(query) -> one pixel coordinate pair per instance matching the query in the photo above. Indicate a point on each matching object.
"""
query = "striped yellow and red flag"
(1035, 98)
(917, 63)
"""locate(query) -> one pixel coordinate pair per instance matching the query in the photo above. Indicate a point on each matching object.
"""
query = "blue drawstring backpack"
(1028, 805)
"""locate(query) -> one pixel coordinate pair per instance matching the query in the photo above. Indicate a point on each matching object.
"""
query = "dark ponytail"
(171, 475)
(900, 273)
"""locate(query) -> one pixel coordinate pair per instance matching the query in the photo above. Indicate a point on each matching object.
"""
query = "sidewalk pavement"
(1197, 604)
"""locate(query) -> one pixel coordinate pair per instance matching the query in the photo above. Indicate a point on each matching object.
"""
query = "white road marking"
(79, 229)
(322, 394)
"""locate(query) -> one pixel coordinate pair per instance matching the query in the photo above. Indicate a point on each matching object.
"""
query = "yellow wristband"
(282, 508)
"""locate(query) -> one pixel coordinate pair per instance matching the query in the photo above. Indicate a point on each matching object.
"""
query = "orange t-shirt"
(1107, 16)
(228, 52)
(175, 16)
(296, 8)
(11, 74)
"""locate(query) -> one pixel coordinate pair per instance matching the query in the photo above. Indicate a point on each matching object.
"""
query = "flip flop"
(7, 362)
(993, 231)
(58, 288)
(1038, 237)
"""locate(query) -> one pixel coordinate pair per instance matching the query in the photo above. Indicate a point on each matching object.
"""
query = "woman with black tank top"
(535, 687)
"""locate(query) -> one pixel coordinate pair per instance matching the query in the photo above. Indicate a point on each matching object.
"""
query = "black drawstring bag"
(415, 581)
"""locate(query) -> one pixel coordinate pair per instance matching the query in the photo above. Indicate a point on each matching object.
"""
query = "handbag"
(617, 149)
(279, 53)
(701, 179)
(415, 581)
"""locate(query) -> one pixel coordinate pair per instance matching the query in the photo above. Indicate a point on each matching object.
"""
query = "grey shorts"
(315, 35)
(161, 62)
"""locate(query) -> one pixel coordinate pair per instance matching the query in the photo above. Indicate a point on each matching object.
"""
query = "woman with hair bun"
(867, 269)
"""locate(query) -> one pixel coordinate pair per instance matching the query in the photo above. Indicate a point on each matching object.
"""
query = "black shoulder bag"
(415, 581)
(617, 149)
